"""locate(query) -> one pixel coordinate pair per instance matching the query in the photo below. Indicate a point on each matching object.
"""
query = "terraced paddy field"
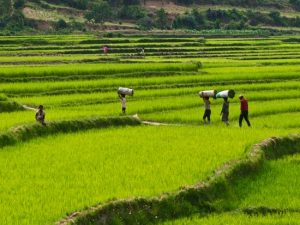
(90, 153)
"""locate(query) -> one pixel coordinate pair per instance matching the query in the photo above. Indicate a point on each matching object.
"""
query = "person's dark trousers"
(244, 115)
(207, 114)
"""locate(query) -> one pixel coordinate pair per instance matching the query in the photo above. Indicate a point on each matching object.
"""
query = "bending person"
(40, 115)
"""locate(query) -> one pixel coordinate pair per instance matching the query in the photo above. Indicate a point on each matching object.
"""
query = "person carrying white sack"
(123, 102)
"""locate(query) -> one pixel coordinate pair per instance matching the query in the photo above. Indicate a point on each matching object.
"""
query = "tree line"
(100, 11)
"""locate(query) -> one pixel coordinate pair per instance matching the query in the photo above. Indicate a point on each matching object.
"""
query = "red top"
(105, 49)
(244, 104)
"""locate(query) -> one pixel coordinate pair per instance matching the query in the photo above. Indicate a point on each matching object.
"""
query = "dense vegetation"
(83, 15)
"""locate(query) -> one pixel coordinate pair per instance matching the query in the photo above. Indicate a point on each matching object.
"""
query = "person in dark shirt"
(225, 111)
(40, 115)
(244, 111)
(122, 98)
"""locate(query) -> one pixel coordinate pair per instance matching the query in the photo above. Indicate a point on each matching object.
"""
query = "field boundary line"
(27, 132)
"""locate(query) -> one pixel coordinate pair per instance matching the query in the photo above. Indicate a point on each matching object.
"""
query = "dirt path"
(155, 123)
(28, 108)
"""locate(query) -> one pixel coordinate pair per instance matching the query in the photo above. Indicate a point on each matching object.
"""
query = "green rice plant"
(76, 170)
(274, 187)
(88, 69)
(27, 132)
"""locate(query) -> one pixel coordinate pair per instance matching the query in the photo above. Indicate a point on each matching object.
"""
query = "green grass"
(94, 170)
(90, 69)
(273, 186)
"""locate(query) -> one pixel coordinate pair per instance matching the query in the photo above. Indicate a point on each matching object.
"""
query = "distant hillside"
(134, 15)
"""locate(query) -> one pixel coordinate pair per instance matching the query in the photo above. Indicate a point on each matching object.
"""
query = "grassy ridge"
(27, 132)
(91, 69)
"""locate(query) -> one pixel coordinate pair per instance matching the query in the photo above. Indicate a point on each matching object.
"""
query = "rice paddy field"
(49, 177)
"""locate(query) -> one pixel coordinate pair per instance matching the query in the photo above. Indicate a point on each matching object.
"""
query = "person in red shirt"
(244, 111)
(105, 49)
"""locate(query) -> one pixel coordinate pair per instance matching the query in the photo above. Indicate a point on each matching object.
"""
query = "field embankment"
(26, 132)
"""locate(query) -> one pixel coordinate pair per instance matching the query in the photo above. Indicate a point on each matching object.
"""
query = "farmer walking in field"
(142, 52)
(105, 50)
(207, 111)
(225, 111)
(40, 115)
(123, 102)
(244, 111)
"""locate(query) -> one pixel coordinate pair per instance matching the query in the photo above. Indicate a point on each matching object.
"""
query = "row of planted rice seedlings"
(152, 42)
(48, 59)
(288, 120)
(274, 187)
(152, 82)
(94, 51)
(91, 69)
(95, 46)
(270, 57)
(251, 53)
(159, 166)
(78, 45)
(263, 92)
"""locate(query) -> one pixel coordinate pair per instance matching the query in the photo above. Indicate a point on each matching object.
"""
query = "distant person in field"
(123, 102)
(142, 52)
(225, 111)
(207, 111)
(40, 115)
(244, 111)
(105, 50)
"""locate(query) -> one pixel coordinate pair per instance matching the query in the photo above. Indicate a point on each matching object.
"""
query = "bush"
(277, 19)
(19, 4)
(145, 23)
(100, 13)
(132, 12)
(185, 2)
(185, 21)
(61, 24)
(161, 19)
(79, 4)
(295, 4)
